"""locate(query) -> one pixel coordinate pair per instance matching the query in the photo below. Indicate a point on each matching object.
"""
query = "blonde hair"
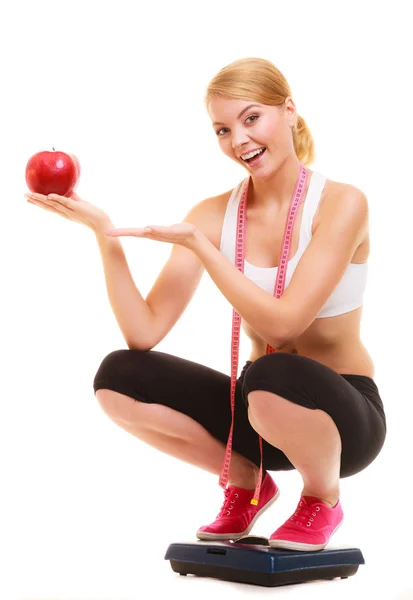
(258, 79)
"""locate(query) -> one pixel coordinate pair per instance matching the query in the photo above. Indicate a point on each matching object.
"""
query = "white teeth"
(253, 153)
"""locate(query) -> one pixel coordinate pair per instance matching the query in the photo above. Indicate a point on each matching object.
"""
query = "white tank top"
(347, 296)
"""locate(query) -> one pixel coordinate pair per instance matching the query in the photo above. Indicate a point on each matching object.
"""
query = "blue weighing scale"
(250, 559)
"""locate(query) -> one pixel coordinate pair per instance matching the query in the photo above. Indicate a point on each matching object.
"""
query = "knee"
(119, 407)
(268, 407)
(287, 376)
(115, 382)
(108, 402)
(280, 364)
(115, 367)
(271, 372)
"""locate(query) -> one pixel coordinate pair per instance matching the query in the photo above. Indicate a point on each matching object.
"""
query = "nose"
(239, 142)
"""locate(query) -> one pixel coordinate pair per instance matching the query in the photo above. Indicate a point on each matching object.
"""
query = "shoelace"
(304, 515)
(230, 499)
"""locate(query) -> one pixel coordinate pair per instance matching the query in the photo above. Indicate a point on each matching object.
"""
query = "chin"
(264, 172)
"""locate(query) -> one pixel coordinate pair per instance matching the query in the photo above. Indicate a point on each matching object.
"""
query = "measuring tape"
(236, 318)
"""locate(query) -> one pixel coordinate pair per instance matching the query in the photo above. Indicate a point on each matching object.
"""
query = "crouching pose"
(308, 390)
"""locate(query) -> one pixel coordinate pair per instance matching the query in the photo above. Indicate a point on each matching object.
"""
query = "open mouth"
(256, 157)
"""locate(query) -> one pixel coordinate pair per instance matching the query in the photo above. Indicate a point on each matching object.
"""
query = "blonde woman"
(312, 399)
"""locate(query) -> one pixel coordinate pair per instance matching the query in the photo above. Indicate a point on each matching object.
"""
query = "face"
(242, 128)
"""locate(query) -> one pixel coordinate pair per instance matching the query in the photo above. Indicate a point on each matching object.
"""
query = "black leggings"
(352, 401)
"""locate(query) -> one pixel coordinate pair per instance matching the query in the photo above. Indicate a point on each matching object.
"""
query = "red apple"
(52, 173)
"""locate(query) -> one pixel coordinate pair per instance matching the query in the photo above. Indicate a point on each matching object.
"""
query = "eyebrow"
(240, 114)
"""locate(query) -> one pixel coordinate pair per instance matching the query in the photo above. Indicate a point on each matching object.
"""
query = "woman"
(312, 399)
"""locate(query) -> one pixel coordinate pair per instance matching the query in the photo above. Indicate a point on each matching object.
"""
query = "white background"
(87, 510)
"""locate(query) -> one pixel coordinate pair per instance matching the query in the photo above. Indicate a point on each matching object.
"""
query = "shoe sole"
(204, 535)
(286, 545)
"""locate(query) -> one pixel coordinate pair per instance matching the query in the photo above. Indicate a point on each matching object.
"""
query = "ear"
(290, 111)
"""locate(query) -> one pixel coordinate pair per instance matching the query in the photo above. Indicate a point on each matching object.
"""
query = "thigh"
(196, 390)
(311, 384)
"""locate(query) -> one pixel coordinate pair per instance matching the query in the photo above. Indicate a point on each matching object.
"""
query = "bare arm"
(146, 322)
(131, 311)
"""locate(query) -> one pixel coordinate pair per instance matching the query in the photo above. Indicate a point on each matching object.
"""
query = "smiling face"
(243, 126)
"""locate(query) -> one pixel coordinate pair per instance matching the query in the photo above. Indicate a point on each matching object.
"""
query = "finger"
(49, 205)
(38, 199)
(48, 208)
(61, 199)
(51, 199)
(136, 231)
(36, 196)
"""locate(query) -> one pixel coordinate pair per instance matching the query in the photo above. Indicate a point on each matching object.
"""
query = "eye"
(226, 128)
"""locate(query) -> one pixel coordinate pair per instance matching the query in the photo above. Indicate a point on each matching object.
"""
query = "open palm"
(180, 233)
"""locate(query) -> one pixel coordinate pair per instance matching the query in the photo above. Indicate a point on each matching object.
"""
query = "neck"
(276, 190)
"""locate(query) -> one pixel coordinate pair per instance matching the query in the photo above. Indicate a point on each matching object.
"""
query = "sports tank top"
(348, 294)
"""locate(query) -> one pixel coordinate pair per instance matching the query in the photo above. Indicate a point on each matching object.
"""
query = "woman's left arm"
(258, 308)
(319, 270)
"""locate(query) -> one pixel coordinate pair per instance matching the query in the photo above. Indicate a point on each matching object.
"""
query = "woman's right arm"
(145, 323)
(131, 311)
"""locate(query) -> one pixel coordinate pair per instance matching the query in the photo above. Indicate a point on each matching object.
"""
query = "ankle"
(330, 499)
(246, 482)
(243, 484)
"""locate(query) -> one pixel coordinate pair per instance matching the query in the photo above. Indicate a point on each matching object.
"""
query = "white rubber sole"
(204, 535)
(286, 545)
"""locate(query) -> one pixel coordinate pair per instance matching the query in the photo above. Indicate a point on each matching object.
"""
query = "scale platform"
(251, 560)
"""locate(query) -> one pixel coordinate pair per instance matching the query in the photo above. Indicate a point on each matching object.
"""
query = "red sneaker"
(311, 526)
(237, 516)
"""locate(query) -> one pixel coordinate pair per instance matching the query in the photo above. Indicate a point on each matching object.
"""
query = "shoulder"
(208, 215)
(340, 200)
(343, 190)
(350, 199)
(213, 205)
(338, 191)
(344, 209)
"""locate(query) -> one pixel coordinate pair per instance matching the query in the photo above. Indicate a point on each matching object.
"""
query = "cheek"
(268, 134)
(268, 130)
(226, 147)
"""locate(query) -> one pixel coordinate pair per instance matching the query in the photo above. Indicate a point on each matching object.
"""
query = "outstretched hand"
(72, 209)
(184, 234)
